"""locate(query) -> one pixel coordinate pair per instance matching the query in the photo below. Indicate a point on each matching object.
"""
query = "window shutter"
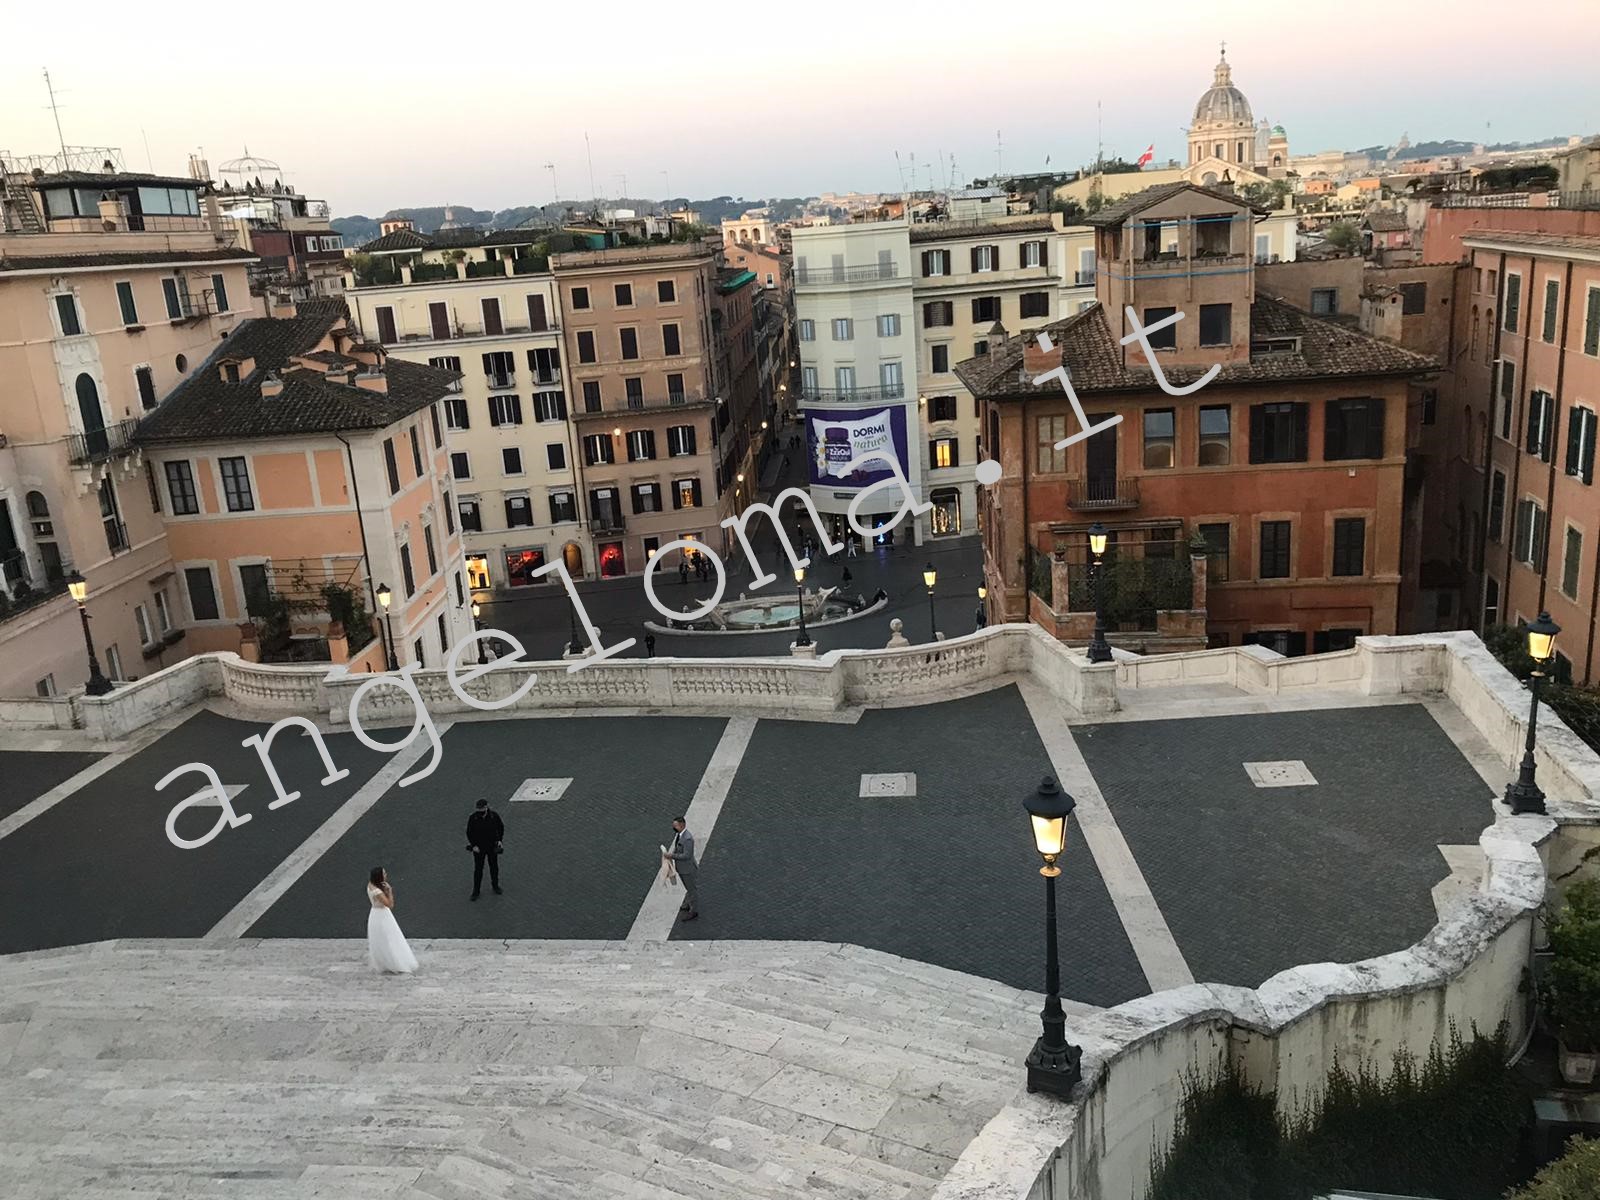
(1375, 424)
(1333, 427)
(677, 496)
(1302, 431)
(494, 412)
(1044, 253)
(1574, 439)
(974, 258)
(1534, 411)
(927, 263)
(488, 364)
(1547, 429)
(933, 452)
(1541, 534)
(697, 493)
(994, 257)
(977, 306)
(1258, 433)
(1520, 535)
(509, 519)
(1590, 421)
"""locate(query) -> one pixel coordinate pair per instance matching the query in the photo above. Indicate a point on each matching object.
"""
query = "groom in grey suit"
(681, 852)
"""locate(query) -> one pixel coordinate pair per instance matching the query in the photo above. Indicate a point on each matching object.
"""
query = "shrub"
(1570, 990)
(1573, 1176)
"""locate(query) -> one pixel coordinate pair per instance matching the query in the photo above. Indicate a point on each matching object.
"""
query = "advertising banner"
(835, 437)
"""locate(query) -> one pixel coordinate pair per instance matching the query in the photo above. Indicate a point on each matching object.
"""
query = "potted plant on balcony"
(1570, 990)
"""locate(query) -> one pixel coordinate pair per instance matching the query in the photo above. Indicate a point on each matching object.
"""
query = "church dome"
(1222, 104)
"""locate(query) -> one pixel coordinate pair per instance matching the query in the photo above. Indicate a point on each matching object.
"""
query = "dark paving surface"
(948, 877)
(577, 867)
(1255, 880)
(99, 865)
(25, 775)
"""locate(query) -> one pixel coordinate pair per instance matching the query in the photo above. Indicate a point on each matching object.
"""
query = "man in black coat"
(485, 832)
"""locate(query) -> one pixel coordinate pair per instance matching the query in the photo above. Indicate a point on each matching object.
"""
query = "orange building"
(298, 472)
(1285, 473)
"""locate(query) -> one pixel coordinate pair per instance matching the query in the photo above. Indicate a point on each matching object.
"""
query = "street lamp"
(1524, 795)
(98, 684)
(384, 596)
(800, 587)
(483, 653)
(1099, 648)
(982, 616)
(573, 646)
(1053, 1066)
(930, 577)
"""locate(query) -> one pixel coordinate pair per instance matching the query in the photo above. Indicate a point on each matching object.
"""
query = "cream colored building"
(754, 228)
(494, 316)
(114, 287)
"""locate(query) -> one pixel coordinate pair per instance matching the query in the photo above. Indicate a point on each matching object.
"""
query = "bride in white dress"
(386, 945)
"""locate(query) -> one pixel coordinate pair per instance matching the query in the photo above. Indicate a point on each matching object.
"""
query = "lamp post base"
(1524, 797)
(1100, 652)
(1055, 1070)
(98, 685)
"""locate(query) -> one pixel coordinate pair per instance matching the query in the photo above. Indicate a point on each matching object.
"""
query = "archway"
(94, 420)
(572, 557)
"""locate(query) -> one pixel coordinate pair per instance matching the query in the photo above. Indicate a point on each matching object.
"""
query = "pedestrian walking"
(681, 854)
(649, 645)
(850, 546)
(683, 570)
(485, 833)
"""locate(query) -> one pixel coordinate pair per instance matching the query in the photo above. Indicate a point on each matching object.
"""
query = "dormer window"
(1281, 345)
(230, 371)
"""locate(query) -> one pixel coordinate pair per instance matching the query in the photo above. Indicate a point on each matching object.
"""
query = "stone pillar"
(461, 269)
(1059, 593)
(896, 638)
(249, 648)
(405, 272)
(1200, 565)
(799, 651)
(338, 643)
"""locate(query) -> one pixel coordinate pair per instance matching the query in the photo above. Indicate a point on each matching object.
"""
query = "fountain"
(759, 614)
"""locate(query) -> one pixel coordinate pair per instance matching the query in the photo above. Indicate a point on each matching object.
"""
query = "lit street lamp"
(1099, 648)
(930, 577)
(483, 653)
(384, 597)
(1524, 795)
(1053, 1065)
(98, 684)
(800, 588)
(982, 615)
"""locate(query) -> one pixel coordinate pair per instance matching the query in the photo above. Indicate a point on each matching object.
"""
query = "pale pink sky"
(389, 105)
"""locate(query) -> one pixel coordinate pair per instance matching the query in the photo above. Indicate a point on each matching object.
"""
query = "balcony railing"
(1084, 278)
(1103, 494)
(99, 445)
(497, 380)
(642, 403)
(893, 391)
(546, 378)
(607, 523)
(812, 276)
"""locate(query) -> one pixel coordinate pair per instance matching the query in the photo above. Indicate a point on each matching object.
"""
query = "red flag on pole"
(1149, 153)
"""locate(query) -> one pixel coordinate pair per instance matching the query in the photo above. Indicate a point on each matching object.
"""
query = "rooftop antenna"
(999, 154)
(56, 113)
(594, 192)
(554, 190)
(150, 162)
(622, 177)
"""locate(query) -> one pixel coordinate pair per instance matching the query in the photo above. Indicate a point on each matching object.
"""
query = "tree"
(1071, 209)
(1343, 235)
(1268, 195)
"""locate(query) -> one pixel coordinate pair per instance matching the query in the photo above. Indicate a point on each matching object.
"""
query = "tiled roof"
(1384, 221)
(935, 231)
(63, 262)
(397, 239)
(1554, 241)
(108, 177)
(205, 407)
(1093, 356)
(463, 238)
(1120, 210)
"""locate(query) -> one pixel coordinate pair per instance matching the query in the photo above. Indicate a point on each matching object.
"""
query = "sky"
(390, 106)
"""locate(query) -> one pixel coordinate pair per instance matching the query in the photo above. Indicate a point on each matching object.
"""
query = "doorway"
(572, 557)
(1100, 461)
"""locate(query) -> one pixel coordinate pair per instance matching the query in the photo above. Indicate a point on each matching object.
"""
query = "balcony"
(869, 395)
(1173, 263)
(607, 523)
(641, 404)
(1084, 278)
(499, 381)
(1102, 495)
(823, 276)
(101, 445)
(546, 378)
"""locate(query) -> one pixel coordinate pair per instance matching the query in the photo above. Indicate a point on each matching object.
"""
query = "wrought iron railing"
(811, 276)
(1134, 588)
(1103, 493)
(604, 522)
(892, 391)
(98, 445)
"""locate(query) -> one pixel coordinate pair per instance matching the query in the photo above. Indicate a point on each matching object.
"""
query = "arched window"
(93, 417)
(1277, 160)
(38, 506)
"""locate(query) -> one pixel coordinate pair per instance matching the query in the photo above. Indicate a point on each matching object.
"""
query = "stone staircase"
(271, 1070)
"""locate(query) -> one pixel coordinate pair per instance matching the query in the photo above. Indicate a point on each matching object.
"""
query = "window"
(1571, 563)
(236, 485)
(510, 460)
(455, 413)
(202, 593)
(666, 291)
(670, 344)
(130, 310)
(597, 449)
(67, 312)
(460, 465)
(492, 323)
(504, 410)
(843, 329)
(1216, 324)
(1216, 436)
(675, 394)
(888, 325)
(1353, 429)
(1274, 550)
(623, 292)
(641, 445)
(163, 617)
(471, 516)
(938, 313)
(940, 360)
(686, 493)
(1541, 424)
(1580, 443)
(1430, 406)
(150, 482)
(646, 497)
(1278, 432)
(586, 346)
(386, 327)
(1162, 339)
(433, 420)
(416, 651)
(416, 451)
(1491, 601)
(890, 380)
(1032, 254)
(986, 258)
(629, 340)
(1529, 536)
(544, 364)
(447, 362)
(680, 441)
(563, 508)
(943, 452)
(408, 577)
(1216, 537)
(449, 516)
(808, 381)
(548, 406)
(1350, 546)
(1552, 306)
(935, 262)
(1324, 301)
(808, 330)
(1591, 323)
(219, 293)
(180, 489)
(1035, 304)
(1160, 438)
(844, 380)
(985, 308)
(433, 557)
(1050, 431)
(942, 408)
(580, 298)
(555, 454)
(1497, 504)
(633, 389)
(1513, 301)
(1508, 396)
(1413, 299)
(591, 395)
(174, 299)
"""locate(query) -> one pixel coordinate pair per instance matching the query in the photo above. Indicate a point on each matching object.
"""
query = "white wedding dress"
(386, 945)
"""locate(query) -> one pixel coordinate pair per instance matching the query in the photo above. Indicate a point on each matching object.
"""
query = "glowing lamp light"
(617, 432)
(78, 586)
(384, 596)
(799, 574)
(1541, 638)
(983, 592)
(929, 576)
(1049, 812)
(477, 609)
(1097, 538)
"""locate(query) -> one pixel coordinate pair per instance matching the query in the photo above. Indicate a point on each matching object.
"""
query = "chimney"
(1036, 360)
(271, 386)
(111, 214)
